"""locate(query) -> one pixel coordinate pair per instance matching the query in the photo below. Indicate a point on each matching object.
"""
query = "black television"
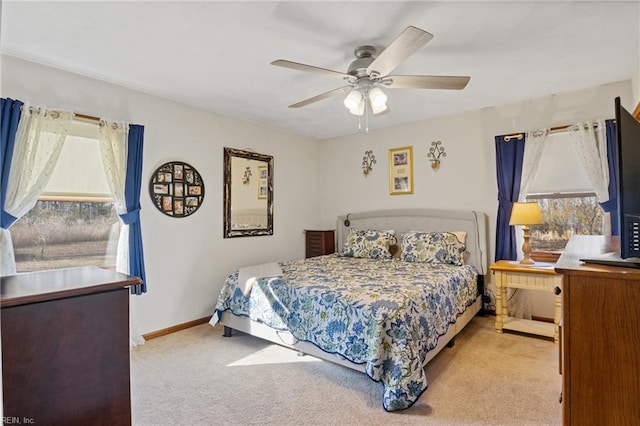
(628, 161)
(628, 143)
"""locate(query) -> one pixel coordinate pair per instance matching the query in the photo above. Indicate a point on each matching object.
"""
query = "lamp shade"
(526, 213)
(377, 97)
(359, 109)
(353, 99)
(379, 109)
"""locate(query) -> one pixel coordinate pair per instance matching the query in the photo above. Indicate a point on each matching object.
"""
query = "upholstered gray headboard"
(428, 220)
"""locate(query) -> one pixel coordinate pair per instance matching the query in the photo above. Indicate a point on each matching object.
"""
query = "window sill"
(545, 256)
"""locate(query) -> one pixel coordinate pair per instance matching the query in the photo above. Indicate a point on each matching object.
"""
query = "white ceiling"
(216, 55)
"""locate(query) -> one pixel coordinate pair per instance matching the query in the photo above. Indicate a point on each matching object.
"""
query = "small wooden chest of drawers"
(65, 347)
(318, 243)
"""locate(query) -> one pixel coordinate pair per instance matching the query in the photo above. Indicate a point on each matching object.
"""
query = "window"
(564, 215)
(74, 222)
(565, 194)
(60, 233)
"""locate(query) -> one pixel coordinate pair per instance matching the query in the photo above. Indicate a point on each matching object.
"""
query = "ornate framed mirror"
(248, 193)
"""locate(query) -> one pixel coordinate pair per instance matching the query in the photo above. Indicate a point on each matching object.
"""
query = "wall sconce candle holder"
(368, 161)
(435, 152)
(246, 178)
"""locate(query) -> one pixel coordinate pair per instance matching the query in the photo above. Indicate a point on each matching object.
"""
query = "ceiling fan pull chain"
(366, 117)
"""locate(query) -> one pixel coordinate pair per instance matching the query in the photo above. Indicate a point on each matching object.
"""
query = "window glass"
(564, 215)
(62, 234)
(74, 223)
(565, 194)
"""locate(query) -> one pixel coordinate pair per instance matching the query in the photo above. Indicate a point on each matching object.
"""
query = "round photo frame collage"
(176, 189)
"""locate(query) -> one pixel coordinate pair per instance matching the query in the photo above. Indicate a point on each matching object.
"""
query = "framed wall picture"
(401, 170)
(262, 182)
(176, 189)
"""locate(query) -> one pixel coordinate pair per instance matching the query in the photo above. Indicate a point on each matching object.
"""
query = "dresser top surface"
(593, 247)
(42, 286)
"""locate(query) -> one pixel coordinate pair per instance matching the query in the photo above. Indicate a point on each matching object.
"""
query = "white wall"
(187, 260)
(467, 176)
(635, 79)
(636, 87)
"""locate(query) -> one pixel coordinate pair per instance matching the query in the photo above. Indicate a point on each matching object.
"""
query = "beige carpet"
(198, 377)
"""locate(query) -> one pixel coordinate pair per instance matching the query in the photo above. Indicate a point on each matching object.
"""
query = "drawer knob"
(557, 291)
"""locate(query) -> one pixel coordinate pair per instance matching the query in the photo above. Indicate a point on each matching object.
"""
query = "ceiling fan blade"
(426, 82)
(310, 68)
(403, 46)
(321, 96)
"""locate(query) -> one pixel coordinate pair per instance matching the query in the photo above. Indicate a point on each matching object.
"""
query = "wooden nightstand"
(540, 276)
(318, 243)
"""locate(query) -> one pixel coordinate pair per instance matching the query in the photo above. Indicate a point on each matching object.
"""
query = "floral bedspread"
(384, 313)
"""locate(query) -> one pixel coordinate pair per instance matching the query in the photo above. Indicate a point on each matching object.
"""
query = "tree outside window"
(564, 215)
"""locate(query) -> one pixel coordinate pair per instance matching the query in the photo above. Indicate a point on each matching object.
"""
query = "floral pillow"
(432, 247)
(368, 243)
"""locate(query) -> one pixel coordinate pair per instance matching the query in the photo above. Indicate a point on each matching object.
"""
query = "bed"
(371, 306)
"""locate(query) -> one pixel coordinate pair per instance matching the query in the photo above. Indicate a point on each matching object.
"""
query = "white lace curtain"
(519, 304)
(113, 146)
(590, 141)
(39, 141)
(113, 137)
(533, 148)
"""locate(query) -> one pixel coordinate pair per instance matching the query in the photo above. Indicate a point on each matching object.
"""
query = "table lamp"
(525, 214)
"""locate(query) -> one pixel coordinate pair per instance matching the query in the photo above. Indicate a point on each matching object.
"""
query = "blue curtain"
(509, 156)
(132, 199)
(611, 206)
(10, 110)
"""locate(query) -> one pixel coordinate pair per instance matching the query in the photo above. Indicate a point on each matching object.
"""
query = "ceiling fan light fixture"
(369, 73)
(377, 97)
(353, 99)
(359, 109)
(378, 109)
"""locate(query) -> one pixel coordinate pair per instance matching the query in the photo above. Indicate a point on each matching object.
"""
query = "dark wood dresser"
(600, 350)
(318, 243)
(65, 347)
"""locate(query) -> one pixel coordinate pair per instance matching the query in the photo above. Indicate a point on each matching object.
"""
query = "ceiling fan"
(369, 72)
